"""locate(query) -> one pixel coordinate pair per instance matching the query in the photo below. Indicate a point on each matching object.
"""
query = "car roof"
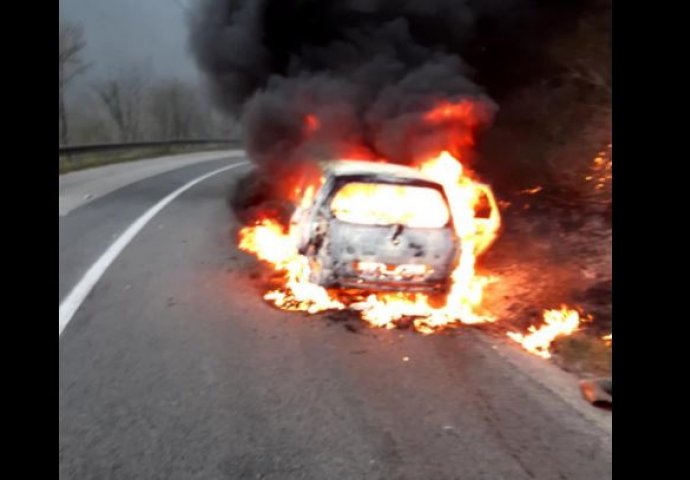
(343, 168)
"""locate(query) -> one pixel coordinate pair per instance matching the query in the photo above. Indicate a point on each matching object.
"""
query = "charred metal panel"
(346, 245)
(336, 248)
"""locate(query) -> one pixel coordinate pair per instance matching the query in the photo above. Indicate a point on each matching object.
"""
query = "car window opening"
(369, 203)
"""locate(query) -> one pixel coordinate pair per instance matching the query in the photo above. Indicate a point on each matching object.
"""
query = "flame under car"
(377, 226)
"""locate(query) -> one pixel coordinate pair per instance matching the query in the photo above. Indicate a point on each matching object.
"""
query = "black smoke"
(368, 70)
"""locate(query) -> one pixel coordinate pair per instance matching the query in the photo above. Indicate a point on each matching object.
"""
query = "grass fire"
(557, 323)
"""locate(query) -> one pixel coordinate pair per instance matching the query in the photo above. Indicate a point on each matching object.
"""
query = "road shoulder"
(81, 187)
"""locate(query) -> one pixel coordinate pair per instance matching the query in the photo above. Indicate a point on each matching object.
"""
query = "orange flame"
(601, 170)
(557, 323)
(464, 111)
(270, 243)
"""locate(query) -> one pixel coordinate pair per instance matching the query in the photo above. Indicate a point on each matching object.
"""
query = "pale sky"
(125, 32)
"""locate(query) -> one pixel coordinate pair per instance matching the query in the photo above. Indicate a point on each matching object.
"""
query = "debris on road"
(351, 328)
(598, 392)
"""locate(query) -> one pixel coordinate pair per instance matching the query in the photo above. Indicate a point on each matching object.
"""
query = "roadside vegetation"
(74, 162)
(549, 157)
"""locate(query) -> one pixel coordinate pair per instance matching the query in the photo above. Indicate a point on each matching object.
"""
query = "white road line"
(81, 290)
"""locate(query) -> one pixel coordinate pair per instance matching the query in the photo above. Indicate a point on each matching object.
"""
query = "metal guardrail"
(109, 147)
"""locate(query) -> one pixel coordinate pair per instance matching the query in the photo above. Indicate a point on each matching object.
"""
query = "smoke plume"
(316, 79)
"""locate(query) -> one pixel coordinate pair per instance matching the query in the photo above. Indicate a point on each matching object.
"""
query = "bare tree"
(181, 110)
(123, 97)
(71, 64)
(175, 110)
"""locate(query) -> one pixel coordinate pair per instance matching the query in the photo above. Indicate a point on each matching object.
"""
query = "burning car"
(393, 232)
(378, 226)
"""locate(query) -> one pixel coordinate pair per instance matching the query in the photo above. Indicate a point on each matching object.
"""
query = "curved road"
(174, 368)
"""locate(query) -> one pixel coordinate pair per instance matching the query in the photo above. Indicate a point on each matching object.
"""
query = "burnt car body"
(410, 254)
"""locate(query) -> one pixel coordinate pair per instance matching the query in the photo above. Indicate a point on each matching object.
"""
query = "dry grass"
(583, 353)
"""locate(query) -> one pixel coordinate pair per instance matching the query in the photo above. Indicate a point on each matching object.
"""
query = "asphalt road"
(174, 368)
